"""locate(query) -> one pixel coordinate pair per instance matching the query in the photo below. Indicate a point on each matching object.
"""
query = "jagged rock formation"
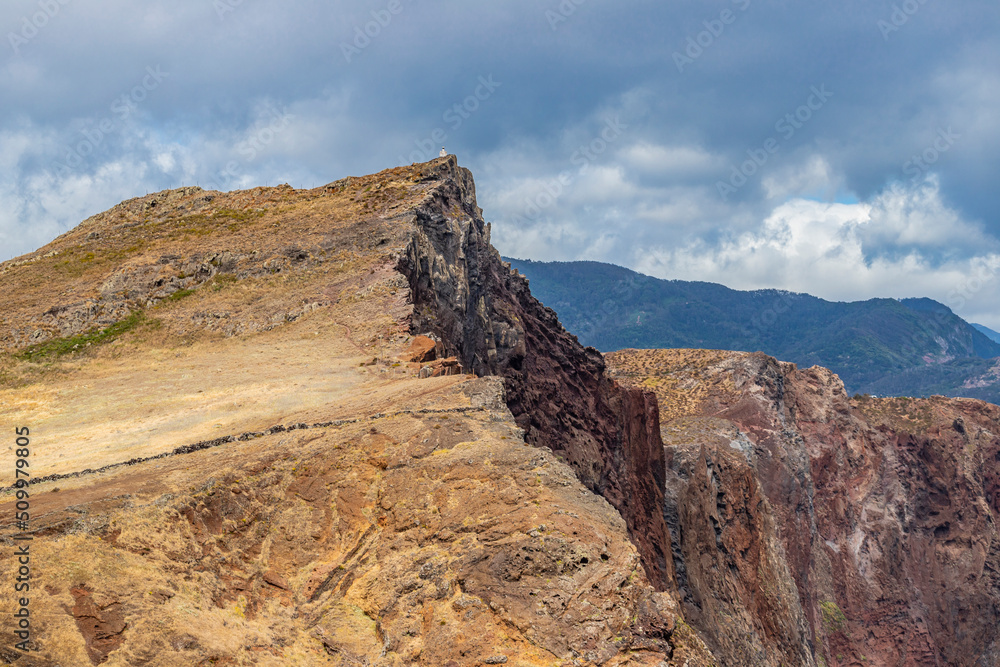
(255, 444)
(392, 518)
(557, 390)
(810, 526)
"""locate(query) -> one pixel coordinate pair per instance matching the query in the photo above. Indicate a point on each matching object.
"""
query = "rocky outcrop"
(100, 625)
(878, 513)
(556, 389)
(733, 577)
(754, 512)
(397, 514)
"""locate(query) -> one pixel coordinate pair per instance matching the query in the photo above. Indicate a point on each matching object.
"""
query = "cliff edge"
(327, 426)
(812, 526)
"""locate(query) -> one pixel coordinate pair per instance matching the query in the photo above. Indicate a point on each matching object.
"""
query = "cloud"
(822, 248)
(838, 209)
(916, 218)
(671, 162)
(812, 177)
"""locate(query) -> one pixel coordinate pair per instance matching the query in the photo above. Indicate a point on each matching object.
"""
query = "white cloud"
(812, 178)
(820, 248)
(916, 216)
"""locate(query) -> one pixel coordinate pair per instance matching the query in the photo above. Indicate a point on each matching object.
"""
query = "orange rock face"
(235, 465)
(331, 427)
(420, 351)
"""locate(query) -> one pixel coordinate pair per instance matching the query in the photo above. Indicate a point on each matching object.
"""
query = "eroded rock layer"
(329, 426)
(556, 389)
(244, 456)
(811, 526)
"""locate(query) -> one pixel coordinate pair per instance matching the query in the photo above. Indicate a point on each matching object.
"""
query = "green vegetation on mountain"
(915, 347)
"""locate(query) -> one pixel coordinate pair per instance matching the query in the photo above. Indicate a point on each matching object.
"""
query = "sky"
(848, 149)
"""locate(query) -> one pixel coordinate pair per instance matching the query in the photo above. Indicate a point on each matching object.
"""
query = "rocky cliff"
(330, 426)
(557, 391)
(243, 452)
(812, 527)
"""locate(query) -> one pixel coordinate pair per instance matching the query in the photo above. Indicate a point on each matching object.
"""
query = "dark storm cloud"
(703, 93)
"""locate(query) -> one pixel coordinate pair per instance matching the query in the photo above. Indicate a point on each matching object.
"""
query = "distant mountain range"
(907, 347)
(986, 331)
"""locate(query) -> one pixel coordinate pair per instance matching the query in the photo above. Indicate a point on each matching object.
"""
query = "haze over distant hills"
(908, 347)
(986, 331)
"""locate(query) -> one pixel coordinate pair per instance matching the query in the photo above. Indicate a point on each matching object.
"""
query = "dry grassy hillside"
(245, 466)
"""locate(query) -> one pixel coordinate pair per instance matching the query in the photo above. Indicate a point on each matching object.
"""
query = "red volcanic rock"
(556, 389)
(880, 514)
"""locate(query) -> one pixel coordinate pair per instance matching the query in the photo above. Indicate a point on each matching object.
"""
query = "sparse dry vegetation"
(360, 536)
(681, 379)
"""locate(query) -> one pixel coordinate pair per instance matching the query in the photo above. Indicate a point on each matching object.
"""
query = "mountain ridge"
(331, 427)
(986, 331)
(881, 346)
